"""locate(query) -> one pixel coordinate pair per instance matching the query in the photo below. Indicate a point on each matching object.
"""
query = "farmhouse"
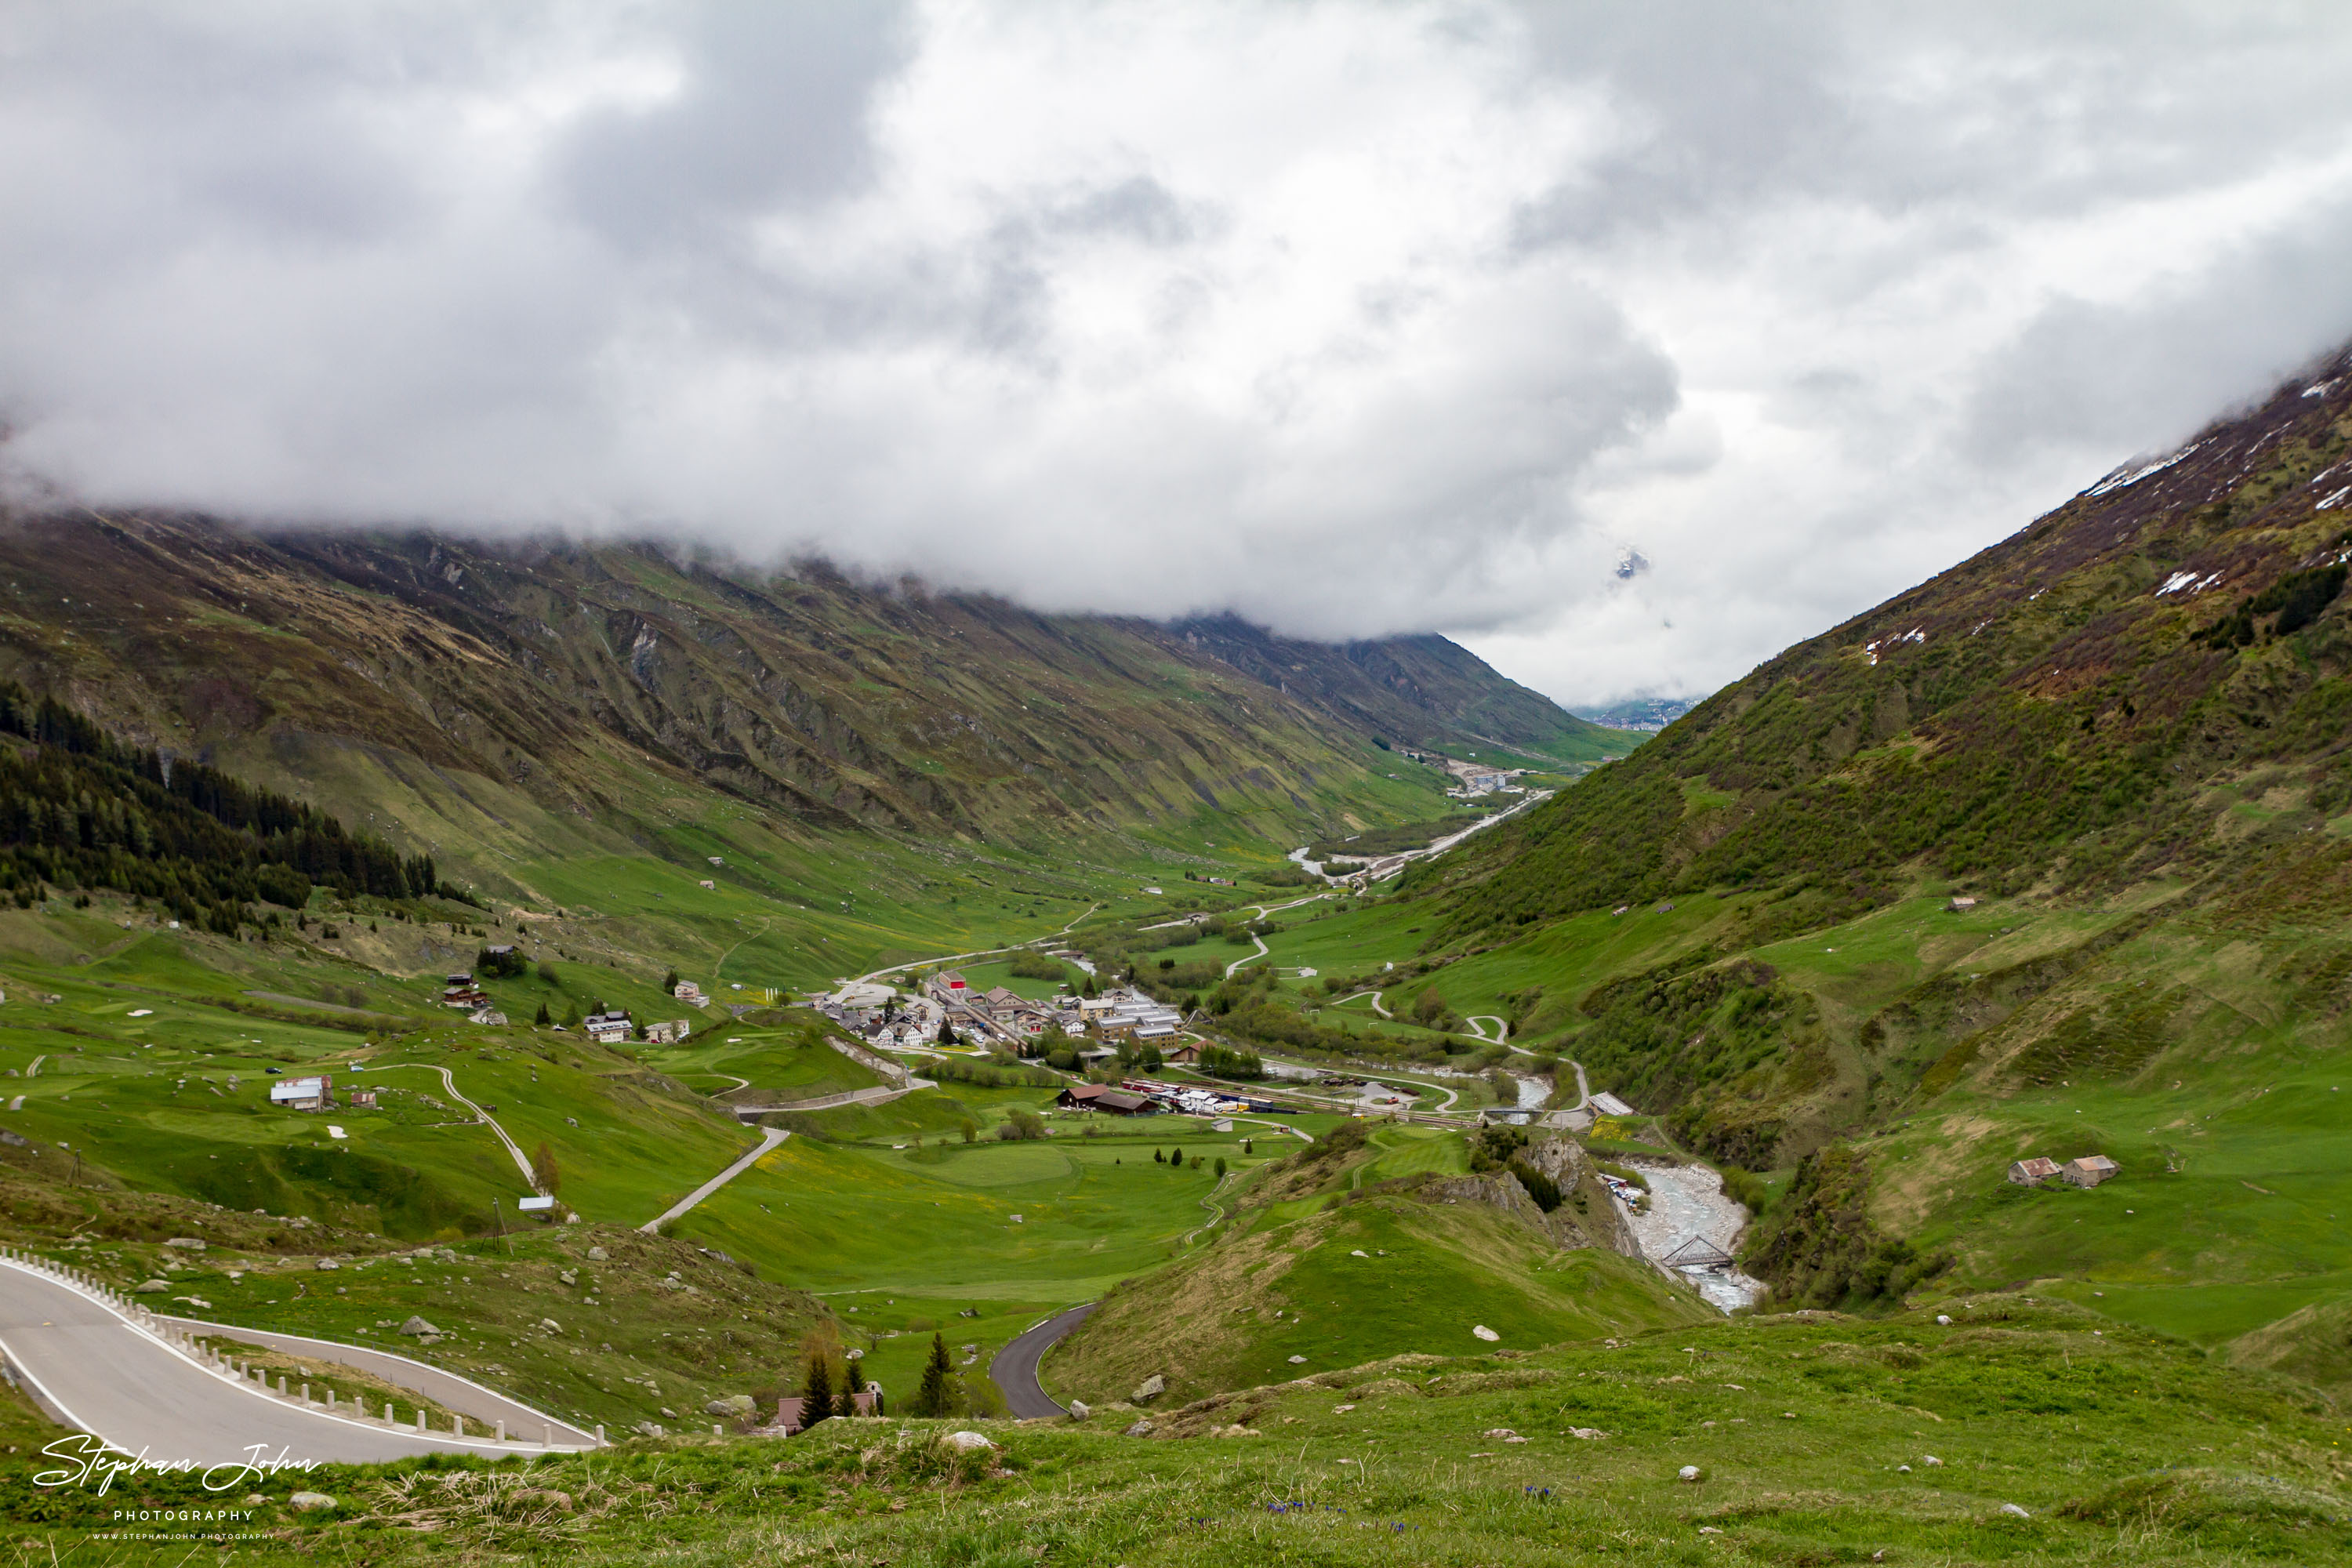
(606, 1029)
(670, 1033)
(1095, 1097)
(2089, 1171)
(688, 991)
(2032, 1173)
(304, 1093)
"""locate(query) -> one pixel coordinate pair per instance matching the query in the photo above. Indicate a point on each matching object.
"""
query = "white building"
(304, 1093)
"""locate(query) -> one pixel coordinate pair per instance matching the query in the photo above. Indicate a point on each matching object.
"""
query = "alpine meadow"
(798, 787)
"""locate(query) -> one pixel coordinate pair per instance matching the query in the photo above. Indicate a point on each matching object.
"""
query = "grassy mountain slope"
(557, 671)
(2122, 731)
(2062, 703)
(2015, 1434)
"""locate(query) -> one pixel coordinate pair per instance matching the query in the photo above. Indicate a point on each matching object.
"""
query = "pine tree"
(931, 1395)
(669, 983)
(1159, 1158)
(1176, 1158)
(542, 1020)
(816, 1391)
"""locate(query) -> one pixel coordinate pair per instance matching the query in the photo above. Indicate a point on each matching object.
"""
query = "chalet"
(505, 950)
(363, 1098)
(788, 1410)
(670, 1033)
(606, 1029)
(1185, 1055)
(1000, 1002)
(2032, 1173)
(688, 991)
(2089, 1171)
(304, 1093)
(460, 980)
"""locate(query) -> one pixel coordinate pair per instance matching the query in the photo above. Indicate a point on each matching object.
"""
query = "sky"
(1626, 344)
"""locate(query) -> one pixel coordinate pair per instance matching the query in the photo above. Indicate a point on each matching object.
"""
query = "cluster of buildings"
(1143, 1097)
(2088, 1171)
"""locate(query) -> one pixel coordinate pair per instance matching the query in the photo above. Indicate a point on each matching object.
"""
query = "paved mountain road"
(445, 1389)
(98, 1372)
(1013, 1369)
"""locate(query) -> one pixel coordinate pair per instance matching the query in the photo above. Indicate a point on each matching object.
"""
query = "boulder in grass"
(1141, 1429)
(418, 1329)
(967, 1442)
(1079, 1411)
(309, 1502)
(732, 1407)
(1483, 1332)
(1688, 1472)
(152, 1286)
(1152, 1388)
(186, 1244)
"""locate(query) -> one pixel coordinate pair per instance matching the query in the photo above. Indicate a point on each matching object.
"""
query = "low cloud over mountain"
(1351, 319)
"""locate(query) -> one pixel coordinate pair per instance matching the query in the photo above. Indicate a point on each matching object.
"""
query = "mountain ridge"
(544, 666)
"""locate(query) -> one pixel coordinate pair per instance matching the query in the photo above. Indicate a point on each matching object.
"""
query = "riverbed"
(1686, 1202)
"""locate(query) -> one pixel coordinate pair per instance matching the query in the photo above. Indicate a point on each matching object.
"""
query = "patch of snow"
(2321, 389)
(2131, 473)
(2334, 500)
(2178, 581)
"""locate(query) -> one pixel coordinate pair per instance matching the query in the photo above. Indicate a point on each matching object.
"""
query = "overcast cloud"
(1352, 319)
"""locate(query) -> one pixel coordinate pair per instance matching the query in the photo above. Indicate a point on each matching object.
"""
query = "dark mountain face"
(535, 664)
(1421, 690)
(2061, 703)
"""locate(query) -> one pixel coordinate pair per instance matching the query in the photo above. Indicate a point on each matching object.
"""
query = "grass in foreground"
(1814, 1439)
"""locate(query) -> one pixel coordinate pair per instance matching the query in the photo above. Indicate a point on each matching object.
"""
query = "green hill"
(1358, 1249)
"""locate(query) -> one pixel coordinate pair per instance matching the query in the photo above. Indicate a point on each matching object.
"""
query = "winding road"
(124, 1378)
(1013, 1369)
(484, 1117)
